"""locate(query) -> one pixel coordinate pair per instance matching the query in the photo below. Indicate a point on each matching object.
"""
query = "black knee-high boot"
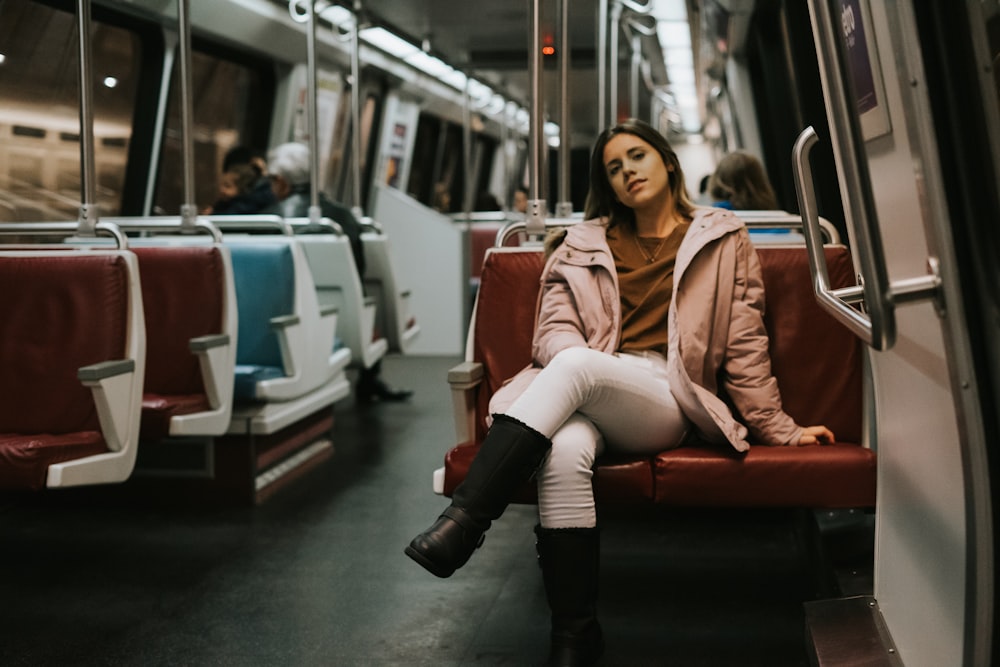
(508, 457)
(570, 560)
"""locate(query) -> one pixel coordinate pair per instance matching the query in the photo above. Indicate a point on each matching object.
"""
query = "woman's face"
(636, 172)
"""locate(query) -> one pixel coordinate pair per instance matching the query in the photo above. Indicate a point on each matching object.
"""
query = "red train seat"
(187, 297)
(72, 354)
(818, 365)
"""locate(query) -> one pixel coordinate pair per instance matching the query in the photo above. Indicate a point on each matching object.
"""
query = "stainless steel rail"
(877, 324)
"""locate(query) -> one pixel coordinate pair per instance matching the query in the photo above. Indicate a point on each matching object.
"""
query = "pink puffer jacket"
(716, 334)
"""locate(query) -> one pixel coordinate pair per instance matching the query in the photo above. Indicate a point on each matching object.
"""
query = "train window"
(39, 111)
(232, 102)
(370, 112)
(421, 183)
(449, 189)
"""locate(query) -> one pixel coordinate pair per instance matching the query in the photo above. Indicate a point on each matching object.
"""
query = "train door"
(912, 101)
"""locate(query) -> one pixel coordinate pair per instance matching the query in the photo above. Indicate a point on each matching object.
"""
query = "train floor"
(316, 575)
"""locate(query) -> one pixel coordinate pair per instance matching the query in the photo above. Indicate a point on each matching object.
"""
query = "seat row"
(817, 362)
(181, 339)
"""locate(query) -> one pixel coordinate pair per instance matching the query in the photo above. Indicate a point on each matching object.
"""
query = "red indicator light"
(548, 50)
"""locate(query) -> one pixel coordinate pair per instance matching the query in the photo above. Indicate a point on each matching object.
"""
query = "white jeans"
(586, 400)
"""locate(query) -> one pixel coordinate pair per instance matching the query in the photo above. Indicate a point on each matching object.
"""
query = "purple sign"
(852, 23)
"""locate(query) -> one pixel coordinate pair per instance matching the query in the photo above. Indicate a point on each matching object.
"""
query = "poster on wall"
(865, 72)
(397, 152)
(398, 135)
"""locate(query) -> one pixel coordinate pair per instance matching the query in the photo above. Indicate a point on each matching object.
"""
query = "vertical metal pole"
(634, 79)
(88, 188)
(616, 17)
(315, 213)
(357, 207)
(468, 200)
(505, 140)
(189, 210)
(602, 65)
(535, 220)
(564, 208)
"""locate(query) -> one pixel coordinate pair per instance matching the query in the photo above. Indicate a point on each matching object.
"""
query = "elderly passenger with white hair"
(290, 172)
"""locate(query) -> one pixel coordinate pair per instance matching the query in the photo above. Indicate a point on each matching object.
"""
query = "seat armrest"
(106, 369)
(116, 389)
(465, 379)
(327, 311)
(203, 343)
(466, 373)
(285, 321)
(215, 360)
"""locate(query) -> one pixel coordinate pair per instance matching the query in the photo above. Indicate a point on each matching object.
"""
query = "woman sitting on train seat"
(648, 310)
(740, 183)
(290, 173)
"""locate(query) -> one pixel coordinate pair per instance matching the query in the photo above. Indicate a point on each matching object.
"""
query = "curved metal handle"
(836, 302)
(878, 327)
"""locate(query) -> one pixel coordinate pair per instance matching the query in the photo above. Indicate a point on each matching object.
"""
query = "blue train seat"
(72, 360)
(287, 364)
(817, 362)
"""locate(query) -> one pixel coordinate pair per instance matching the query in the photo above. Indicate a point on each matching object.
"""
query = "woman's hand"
(816, 435)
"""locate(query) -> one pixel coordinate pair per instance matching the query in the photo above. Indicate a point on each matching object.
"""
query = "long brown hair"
(601, 199)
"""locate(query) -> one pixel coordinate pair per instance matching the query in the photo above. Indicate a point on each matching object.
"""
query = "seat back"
(184, 293)
(817, 362)
(72, 359)
(339, 285)
(395, 321)
(504, 319)
(59, 312)
(265, 289)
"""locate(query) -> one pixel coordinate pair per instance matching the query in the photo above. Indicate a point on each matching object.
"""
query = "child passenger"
(649, 310)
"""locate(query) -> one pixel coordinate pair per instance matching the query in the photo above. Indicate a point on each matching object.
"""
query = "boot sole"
(429, 565)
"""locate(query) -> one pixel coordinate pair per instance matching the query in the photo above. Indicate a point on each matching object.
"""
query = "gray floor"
(316, 576)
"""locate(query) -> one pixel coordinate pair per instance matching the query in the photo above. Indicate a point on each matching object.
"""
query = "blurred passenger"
(740, 183)
(290, 173)
(442, 198)
(521, 200)
(244, 188)
(607, 323)
(486, 201)
(704, 199)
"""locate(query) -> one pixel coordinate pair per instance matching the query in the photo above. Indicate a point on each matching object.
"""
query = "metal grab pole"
(315, 213)
(564, 207)
(88, 189)
(358, 209)
(536, 204)
(189, 210)
(468, 201)
(616, 19)
(602, 66)
(633, 84)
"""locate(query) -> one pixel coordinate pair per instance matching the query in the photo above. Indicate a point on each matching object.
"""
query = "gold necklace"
(656, 251)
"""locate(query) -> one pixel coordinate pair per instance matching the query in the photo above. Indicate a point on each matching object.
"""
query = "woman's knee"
(574, 361)
(575, 447)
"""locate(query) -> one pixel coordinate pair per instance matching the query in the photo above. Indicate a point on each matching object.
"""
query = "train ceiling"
(490, 40)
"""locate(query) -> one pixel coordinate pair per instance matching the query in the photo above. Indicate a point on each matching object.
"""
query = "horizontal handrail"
(782, 220)
(104, 227)
(167, 225)
(516, 226)
(252, 223)
(307, 226)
